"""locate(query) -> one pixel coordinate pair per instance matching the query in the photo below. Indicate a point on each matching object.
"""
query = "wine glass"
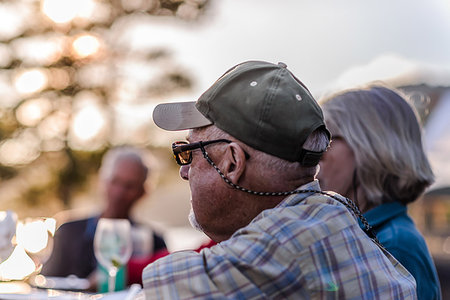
(35, 235)
(112, 246)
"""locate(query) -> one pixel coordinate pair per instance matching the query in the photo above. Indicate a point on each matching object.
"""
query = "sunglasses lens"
(182, 158)
(185, 157)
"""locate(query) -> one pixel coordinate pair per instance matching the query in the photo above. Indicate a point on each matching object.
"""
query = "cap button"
(282, 65)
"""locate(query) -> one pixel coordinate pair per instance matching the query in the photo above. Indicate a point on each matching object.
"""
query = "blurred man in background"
(123, 176)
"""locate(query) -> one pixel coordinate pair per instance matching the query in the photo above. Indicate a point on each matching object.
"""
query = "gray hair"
(382, 129)
(120, 153)
(317, 141)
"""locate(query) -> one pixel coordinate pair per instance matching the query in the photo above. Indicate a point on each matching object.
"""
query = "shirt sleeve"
(181, 275)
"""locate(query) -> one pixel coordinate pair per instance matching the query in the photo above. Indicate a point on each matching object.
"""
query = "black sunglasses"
(182, 151)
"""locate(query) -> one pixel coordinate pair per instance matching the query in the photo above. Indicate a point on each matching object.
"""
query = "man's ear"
(233, 163)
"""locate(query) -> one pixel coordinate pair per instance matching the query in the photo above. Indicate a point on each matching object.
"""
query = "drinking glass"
(35, 235)
(112, 246)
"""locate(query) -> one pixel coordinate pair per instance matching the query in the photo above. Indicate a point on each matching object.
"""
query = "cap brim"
(179, 116)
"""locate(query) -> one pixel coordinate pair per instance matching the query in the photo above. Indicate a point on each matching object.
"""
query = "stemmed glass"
(112, 246)
(35, 235)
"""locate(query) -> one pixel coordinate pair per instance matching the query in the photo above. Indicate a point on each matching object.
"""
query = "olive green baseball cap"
(259, 103)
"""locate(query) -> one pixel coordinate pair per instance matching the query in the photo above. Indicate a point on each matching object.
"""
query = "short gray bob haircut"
(382, 129)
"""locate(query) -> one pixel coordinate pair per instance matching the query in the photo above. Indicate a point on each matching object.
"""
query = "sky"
(327, 44)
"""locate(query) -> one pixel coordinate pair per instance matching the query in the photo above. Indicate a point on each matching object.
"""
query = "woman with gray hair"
(376, 158)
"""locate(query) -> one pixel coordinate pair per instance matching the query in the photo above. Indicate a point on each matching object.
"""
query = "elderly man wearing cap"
(255, 140)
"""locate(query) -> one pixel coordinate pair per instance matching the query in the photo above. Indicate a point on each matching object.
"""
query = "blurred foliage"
(73, 174)
(38, 114)
(8, 124)
(7, 172)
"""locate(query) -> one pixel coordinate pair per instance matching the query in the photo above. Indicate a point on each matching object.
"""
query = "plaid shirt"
(308, 247)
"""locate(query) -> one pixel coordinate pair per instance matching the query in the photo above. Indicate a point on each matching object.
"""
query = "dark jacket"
(73, 250)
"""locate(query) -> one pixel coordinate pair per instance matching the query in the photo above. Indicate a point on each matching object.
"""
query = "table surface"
(22, 290)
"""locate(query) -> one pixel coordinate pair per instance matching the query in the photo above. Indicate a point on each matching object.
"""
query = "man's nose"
(184, 172)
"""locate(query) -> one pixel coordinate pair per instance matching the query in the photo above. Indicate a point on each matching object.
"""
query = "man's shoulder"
(311, 220)
(78, 222)
(75, 226)
(315, 207)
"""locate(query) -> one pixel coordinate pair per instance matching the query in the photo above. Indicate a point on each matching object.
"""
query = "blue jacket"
(398, 234)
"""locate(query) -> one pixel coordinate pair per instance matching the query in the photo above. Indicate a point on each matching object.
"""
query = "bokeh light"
(10, 97)
(20, 150)
(39, 50)
(60, 11)
(59, 78)
(86, 8)
(5, 55)
(65, 11)
(88, 123)
(53, 126)
(31, 112)
(85, 45)
(94, 75)
(14, 16)
(30, 81)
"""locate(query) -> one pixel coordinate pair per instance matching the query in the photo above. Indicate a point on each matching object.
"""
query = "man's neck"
(108, 213)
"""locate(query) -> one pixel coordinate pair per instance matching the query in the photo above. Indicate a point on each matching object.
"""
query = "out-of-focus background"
(80, 76)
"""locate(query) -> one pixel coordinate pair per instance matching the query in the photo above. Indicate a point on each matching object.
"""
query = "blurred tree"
(66, 71)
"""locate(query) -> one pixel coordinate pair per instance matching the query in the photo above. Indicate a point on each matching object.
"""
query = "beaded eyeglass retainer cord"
(347, 203)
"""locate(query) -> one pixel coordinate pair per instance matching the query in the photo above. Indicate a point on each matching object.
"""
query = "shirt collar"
(384, 212)
(297, 198)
